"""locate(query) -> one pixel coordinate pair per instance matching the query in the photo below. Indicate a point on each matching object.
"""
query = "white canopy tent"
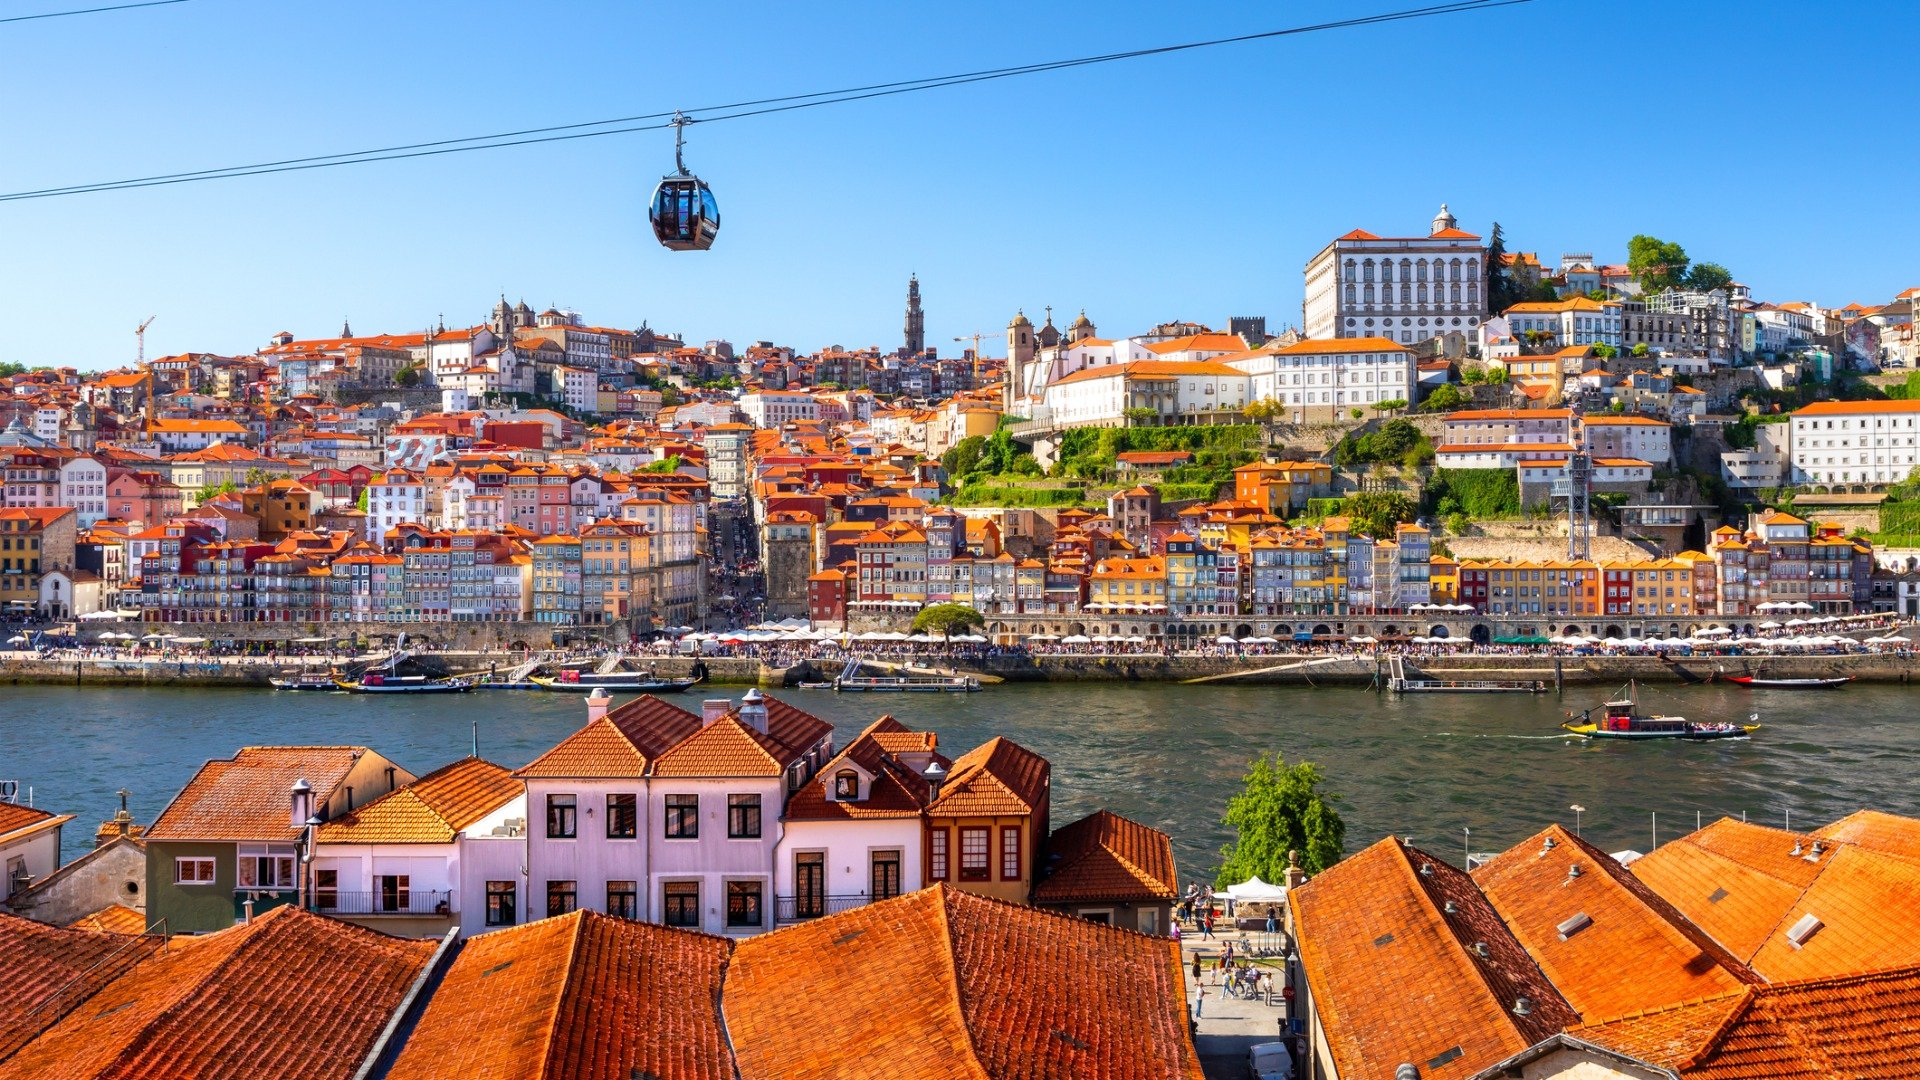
(1255, 891)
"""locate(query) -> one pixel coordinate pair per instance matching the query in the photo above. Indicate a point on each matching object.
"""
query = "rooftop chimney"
(935, 775)
(713, 709)
(598, 703)
(302, 800)
(753, 711)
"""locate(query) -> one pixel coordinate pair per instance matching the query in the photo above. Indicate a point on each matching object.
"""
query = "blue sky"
(1193, 186)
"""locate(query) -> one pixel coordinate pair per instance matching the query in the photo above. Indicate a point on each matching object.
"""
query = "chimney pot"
(598, 703)
(713, 709)
(301, 803)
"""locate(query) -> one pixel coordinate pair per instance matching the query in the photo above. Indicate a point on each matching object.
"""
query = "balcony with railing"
(793, 909)
(383, 902)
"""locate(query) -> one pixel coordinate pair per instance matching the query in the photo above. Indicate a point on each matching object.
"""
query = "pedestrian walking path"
(1228, 1025)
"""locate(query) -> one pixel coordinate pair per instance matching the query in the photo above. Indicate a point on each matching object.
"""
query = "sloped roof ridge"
(1669, 914)
(1485, 974)
(559, 1000)
(948, 959)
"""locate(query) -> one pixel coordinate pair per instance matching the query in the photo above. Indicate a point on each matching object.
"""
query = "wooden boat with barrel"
(1621, 719)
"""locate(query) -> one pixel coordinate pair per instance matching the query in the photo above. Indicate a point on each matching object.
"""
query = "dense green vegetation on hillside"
(1476, 493)
(1397, 442)
(980, 468)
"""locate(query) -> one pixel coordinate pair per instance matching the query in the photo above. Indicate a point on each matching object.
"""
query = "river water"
(1422, 766)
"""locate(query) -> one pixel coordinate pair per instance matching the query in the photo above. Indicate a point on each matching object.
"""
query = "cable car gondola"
(684, 215)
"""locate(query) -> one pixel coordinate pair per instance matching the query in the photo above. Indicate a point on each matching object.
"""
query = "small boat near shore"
(375, 682)
(319, 681)
(1759, 683)
(617, 682)
(911, 684)
(1621, 719)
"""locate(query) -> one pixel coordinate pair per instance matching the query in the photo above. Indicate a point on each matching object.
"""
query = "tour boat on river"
(1621, 719)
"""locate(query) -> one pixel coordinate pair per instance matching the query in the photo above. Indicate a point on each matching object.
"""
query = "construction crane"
(146, 373)
(975, 338)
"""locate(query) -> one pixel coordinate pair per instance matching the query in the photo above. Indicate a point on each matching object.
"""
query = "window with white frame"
(192, 871)
(264, 866)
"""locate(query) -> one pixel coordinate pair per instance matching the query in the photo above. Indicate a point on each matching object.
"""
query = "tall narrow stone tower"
(916, 328)
(1019, 355)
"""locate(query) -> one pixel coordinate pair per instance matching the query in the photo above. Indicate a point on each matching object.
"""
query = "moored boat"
(623, 682)
(306, 680)
(1621, 719)
(376, 682)
(1760, 683)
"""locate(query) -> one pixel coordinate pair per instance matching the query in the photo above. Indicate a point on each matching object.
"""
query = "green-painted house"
(237, 832)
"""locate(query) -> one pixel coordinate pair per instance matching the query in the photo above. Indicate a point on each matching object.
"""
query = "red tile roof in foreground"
(48, 971)
(622, 743)
(1397, 978)
(1104, 856)
(15, 818)
(893, 789)
(580, 997)
(112, 919)
(246, 797)
(943, 984)
(1747, 885)
(1856, 1027)
(428, 811)
(289, 994)
(998, 778)
(1540, 884)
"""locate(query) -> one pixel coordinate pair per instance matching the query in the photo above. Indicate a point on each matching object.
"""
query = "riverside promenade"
(1552, 670)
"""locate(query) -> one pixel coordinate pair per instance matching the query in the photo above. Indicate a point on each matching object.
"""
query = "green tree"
(213, 491)
(1375, 513)
(1707, 277)
(1655, 263)
(947, 619)
(361, 502)
(1445, 396)
(1502, 291)
(1640, 350)
(1280, 809)
(407, 376)
(1390, 406)
(1605, 351)
(1141, 415)
(963, 456)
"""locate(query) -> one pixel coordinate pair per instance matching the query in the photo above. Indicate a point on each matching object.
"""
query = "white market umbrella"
(1225, 640)
(1042, 637)
(1076, 639)
(1769, 625)
(17, 639)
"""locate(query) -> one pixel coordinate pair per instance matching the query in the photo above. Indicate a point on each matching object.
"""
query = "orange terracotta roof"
(431, 810)
(893, 790)
(50, 970)
(1747, 885)
(1378, 920)
(725, 747)
(1534, 887)
(579, 997)
(112, 919)
(943, 984)
(999, 777)
(1319, 346)
(1889, 833)
(622, 743)
(1855, 408)
(246, 797)
(1104, 856)
(290, 993)
(1852, 1027)
(15, 817)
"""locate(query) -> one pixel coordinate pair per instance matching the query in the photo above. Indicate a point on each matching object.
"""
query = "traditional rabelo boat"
(1621, 719)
